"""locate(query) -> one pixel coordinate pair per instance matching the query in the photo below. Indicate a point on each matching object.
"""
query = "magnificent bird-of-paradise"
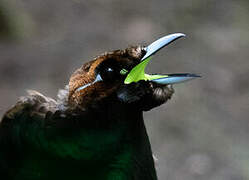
(95, 130)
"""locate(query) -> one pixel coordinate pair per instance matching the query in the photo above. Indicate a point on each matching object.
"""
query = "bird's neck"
(117, 135)
(134, 149)
(112, 140)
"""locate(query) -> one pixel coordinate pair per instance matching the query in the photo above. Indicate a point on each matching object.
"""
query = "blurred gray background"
(203, 132)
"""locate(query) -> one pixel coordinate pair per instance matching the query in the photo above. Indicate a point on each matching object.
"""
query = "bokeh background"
(203, 132)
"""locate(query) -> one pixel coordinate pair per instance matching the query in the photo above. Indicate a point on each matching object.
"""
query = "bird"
(95, 129)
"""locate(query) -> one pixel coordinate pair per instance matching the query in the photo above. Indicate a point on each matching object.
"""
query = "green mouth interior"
(138, 73)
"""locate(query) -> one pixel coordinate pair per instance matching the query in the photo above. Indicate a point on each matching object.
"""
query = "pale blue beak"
(138, 72)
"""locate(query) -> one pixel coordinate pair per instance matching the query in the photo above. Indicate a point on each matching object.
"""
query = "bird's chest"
(75, 143)
(82, 155)
(44, 167)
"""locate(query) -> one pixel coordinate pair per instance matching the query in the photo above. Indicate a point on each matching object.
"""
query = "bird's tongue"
(138, 72)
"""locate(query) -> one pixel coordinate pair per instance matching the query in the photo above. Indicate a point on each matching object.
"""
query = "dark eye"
(108, 74)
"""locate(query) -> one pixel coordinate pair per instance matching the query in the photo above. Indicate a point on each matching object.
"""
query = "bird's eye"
(108, 74)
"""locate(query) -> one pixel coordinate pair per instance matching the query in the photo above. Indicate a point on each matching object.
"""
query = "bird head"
(120, 76)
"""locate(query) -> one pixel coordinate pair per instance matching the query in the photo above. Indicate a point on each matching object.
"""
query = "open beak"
(138, 72)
